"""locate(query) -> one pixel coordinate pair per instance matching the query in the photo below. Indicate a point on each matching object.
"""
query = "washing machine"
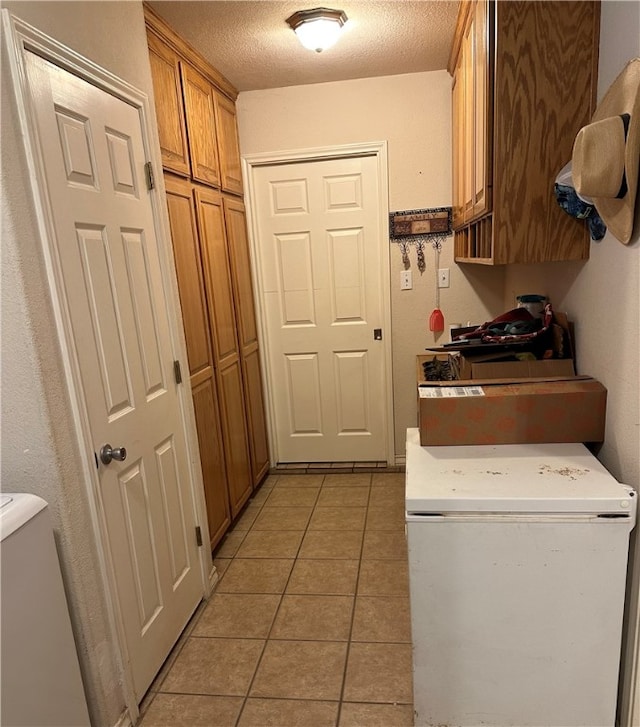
(41, 682)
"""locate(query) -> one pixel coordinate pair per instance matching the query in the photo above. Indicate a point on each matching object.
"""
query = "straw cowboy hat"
(606, 154)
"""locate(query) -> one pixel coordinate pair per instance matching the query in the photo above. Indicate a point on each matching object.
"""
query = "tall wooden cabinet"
(195, 108)
(524, 83)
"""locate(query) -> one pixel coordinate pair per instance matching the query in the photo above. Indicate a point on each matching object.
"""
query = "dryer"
(41, 682)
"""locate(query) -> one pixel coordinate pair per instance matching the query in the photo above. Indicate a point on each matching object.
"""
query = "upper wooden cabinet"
(195, 106)
(200, 114)
(524, 83)
(199, 141)
(172, 130)
(228, 144)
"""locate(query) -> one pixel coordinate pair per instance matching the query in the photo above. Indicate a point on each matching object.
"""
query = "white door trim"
(20, 37)
(378, 149)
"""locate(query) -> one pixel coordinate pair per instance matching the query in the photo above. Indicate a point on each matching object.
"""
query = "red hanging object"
(436, 321)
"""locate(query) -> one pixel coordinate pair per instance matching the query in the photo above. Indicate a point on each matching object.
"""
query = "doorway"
(113, 294)
(318, 222)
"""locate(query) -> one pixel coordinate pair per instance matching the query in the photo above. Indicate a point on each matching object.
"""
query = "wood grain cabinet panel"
(236, 227)
(232, 408)
(214, 474)
(525, 76)
(172, 131)
(254, 397)
(186, 252)
(228, 144)
(199, 137)
(199, 104)
(184, 235)
(218, 276)
(227, 357)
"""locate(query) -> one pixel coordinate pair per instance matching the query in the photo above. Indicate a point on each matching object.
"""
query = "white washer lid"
(16, 510)
(511, 478)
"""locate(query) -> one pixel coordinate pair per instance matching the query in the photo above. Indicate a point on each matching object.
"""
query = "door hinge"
(148, 173)
(198, 536)
(177, 372)
(377, 334)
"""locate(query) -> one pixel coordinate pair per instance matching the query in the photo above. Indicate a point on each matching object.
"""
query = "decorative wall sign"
(416, 227)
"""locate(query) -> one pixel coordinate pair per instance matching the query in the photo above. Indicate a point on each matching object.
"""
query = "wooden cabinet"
(199, 141)
(229, 145)
(167, 88)
(196, 112)
(200, 115)
(184, 235)
(524, 82)
(236, 228)
(226, 348)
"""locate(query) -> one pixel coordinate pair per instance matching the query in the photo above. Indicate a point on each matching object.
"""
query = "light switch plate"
(406, 281)
(443, 277)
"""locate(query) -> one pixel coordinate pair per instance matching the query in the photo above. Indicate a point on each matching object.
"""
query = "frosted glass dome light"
(317, 29)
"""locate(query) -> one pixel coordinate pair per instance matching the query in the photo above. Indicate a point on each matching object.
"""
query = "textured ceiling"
(251, 44)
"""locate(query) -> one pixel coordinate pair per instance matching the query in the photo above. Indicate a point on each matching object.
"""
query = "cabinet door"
(214, 473)
(235, 223)
(226, 350)
(235, 435)
(217, 276)
(184, 235)
(254, 404)
(481, 112)
(201, 126)
(228, 145)
(468, 92)
(457, 112)
(165, 73)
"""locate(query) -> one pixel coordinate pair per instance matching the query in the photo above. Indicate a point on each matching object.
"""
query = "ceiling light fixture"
(317, 29)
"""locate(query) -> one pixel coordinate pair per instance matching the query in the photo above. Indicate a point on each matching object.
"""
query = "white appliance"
(517, 569)
(41, 683)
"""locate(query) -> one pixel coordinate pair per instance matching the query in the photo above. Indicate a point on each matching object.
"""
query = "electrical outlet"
(406, 282)
(443, 277)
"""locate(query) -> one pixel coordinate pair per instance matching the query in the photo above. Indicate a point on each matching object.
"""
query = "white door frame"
(250, 162)
(20, 37)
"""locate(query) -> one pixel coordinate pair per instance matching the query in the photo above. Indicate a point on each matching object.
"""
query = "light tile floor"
(309, 624)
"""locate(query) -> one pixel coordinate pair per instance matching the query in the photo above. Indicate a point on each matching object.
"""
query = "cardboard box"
(422, 358)
(485, 366)
(571, 410)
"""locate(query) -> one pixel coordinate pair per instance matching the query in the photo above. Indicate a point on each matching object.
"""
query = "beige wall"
(602, 295)
(39, 449)
(413, 114)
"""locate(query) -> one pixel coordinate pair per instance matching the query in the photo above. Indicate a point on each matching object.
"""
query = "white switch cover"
(443, 277)
(406, 282)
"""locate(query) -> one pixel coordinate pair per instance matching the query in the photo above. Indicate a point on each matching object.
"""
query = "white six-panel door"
(92, 148)
(320, 249)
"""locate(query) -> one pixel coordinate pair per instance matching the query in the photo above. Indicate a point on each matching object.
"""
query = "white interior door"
(320, 253)
(92, 148)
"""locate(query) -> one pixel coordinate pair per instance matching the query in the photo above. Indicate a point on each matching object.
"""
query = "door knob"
(107, 454)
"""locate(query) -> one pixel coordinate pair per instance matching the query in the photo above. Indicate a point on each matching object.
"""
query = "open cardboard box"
(500, 363)
(489, 366)
(511, 411)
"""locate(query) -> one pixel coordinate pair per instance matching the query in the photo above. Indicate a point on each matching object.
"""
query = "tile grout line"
(325, 483)
(284, 590)
(353, 612)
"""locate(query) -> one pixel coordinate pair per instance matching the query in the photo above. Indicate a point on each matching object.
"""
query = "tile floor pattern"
(309, 624)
